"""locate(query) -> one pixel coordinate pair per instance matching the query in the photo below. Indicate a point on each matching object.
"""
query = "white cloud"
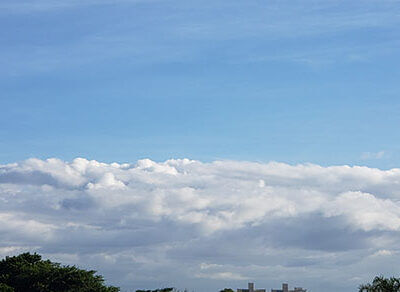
(383, 253)
(181, 221)
(221, 276)
(29, 229)
(372, 155)
(367, 212)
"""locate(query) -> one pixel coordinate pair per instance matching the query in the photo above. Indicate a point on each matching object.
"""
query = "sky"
(203, 144)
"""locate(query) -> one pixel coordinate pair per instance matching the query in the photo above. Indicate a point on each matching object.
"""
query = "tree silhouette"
(28, 272)
(381, 284)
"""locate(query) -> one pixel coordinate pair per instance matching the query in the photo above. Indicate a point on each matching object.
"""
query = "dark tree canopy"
(381, 284)
(227, 290)
(28, 272)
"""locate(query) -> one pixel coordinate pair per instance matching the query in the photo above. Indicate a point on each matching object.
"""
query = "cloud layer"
(205, 225)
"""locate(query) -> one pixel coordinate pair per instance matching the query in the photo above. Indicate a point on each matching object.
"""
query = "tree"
(6, 288)
(28, 272)
(227, 290)
(381, 284)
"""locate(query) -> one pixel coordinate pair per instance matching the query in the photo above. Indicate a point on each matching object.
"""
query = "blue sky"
(147, 139)
(293, 81)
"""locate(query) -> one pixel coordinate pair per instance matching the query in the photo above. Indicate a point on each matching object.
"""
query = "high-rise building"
(251, 289)
(285, 288)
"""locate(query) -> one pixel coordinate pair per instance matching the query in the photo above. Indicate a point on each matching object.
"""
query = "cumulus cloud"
(184, 222)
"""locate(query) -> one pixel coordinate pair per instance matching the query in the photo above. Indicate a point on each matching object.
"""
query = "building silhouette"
(285, 288)
(251, 289)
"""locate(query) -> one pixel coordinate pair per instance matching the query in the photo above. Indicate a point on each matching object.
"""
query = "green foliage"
(227, 290)
(381, 284)
(6, 288)
(28, 272)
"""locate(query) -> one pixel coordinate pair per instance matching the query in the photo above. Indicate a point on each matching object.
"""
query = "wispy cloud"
(221, 276)
(51, 5)
(373, 155)
(184, 34)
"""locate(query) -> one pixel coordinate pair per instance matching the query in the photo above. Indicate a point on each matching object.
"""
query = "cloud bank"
(205, 225)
